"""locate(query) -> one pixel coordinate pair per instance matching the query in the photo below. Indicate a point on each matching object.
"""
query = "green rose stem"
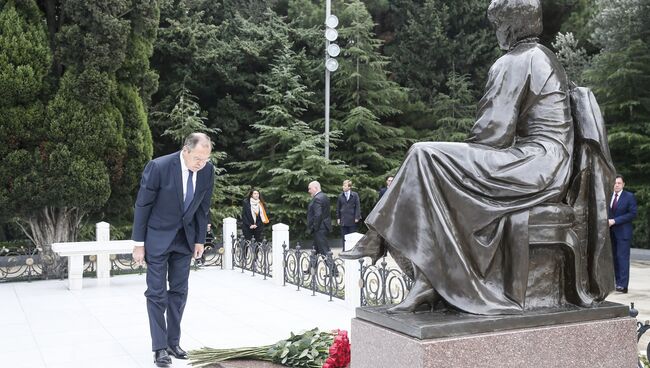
(307, 350)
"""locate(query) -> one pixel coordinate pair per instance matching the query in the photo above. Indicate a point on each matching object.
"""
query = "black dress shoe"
(621, 290)
(177, 352)
(161, 358)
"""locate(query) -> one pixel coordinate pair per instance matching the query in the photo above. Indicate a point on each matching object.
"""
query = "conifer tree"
(620, 78)
(185, 118)
(287, 151)
(573, 57)
(365, 101)
(454, 112)
(91, 140)
(437, 37)
(25, 60)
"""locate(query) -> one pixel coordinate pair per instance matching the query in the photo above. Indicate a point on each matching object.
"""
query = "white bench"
(102, 248)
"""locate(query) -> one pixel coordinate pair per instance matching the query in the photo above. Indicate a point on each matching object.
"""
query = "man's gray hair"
(195, 139)
(315, 184)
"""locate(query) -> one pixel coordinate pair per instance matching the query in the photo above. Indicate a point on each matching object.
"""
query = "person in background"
(622, 210)
(389, 179)
(254, 216)
(319, 222)
(209, 239)
(348, 210)
(209, 235)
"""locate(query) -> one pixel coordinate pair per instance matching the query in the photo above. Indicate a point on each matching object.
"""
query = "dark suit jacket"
(159, 205)
(382, 191)
(623, 215)
(348, 210)
(318, 214)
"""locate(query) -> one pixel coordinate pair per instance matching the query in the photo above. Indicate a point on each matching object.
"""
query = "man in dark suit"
(622, 210)
(348, 210)
(170, 219)
(319, 221)
(389, 179)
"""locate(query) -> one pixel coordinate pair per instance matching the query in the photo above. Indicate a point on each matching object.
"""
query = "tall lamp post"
(332, 50)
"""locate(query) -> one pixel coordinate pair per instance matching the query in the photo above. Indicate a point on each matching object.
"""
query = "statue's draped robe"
(452, 207)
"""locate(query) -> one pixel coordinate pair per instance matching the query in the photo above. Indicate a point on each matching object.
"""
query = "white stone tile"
(97, 324)
(80, 353)
(17, 341)
(22, 359)
(120, 361)
(73, 338)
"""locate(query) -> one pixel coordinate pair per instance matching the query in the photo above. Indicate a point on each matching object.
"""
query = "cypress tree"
(90, 141)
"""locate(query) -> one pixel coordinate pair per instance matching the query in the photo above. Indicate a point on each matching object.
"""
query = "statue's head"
(515, 20)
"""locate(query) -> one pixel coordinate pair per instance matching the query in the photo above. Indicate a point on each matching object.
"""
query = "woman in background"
(254, 216)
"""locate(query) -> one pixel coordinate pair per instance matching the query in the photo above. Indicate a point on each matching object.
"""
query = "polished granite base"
(601, 343)
(446, 323)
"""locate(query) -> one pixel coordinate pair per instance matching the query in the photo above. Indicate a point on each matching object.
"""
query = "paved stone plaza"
(44, 324)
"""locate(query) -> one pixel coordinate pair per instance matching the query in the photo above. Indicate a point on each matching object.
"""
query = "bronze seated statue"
(515, 218)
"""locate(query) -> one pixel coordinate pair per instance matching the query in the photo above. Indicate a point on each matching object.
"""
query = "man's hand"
(338, 221)
(198, 251)
(253, 226)
(611, 222)
(356, 221)
(138, 255)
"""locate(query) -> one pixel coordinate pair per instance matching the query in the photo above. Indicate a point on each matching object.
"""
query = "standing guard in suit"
(170, 222)
(348, 210)
(622, 210)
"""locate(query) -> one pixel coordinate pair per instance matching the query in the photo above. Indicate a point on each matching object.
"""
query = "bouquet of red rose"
(312, 349)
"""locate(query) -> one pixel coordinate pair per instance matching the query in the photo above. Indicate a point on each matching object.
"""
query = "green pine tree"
(573, 57)
(454, 113)
(364, 104)
(620, 78)
(436, 37)
(288, 153)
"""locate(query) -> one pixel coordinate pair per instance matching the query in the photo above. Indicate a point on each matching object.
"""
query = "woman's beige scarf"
(258, 207)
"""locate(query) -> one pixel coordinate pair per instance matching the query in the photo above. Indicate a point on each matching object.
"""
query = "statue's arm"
(498, 110)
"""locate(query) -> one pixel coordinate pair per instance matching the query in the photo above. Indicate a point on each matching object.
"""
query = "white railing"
(103, 247)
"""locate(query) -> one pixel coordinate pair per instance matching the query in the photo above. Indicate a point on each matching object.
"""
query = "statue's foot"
(421, 297)
(371, 245)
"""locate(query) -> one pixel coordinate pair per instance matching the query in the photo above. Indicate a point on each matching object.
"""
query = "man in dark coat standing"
(382, 191)
(348, 210)
(170, 221)
(622, 210)
(319, 221)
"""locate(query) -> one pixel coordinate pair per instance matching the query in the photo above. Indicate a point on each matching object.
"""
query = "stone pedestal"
(600, 340)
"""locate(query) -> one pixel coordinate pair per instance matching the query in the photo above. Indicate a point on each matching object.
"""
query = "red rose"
(339, 351)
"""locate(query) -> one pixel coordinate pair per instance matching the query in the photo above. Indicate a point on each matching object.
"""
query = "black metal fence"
(28, 263)
(252, 255)
(381, 285)
(303, 268)
(319, 273)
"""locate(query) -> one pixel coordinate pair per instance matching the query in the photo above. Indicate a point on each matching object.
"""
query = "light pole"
(332, 50)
